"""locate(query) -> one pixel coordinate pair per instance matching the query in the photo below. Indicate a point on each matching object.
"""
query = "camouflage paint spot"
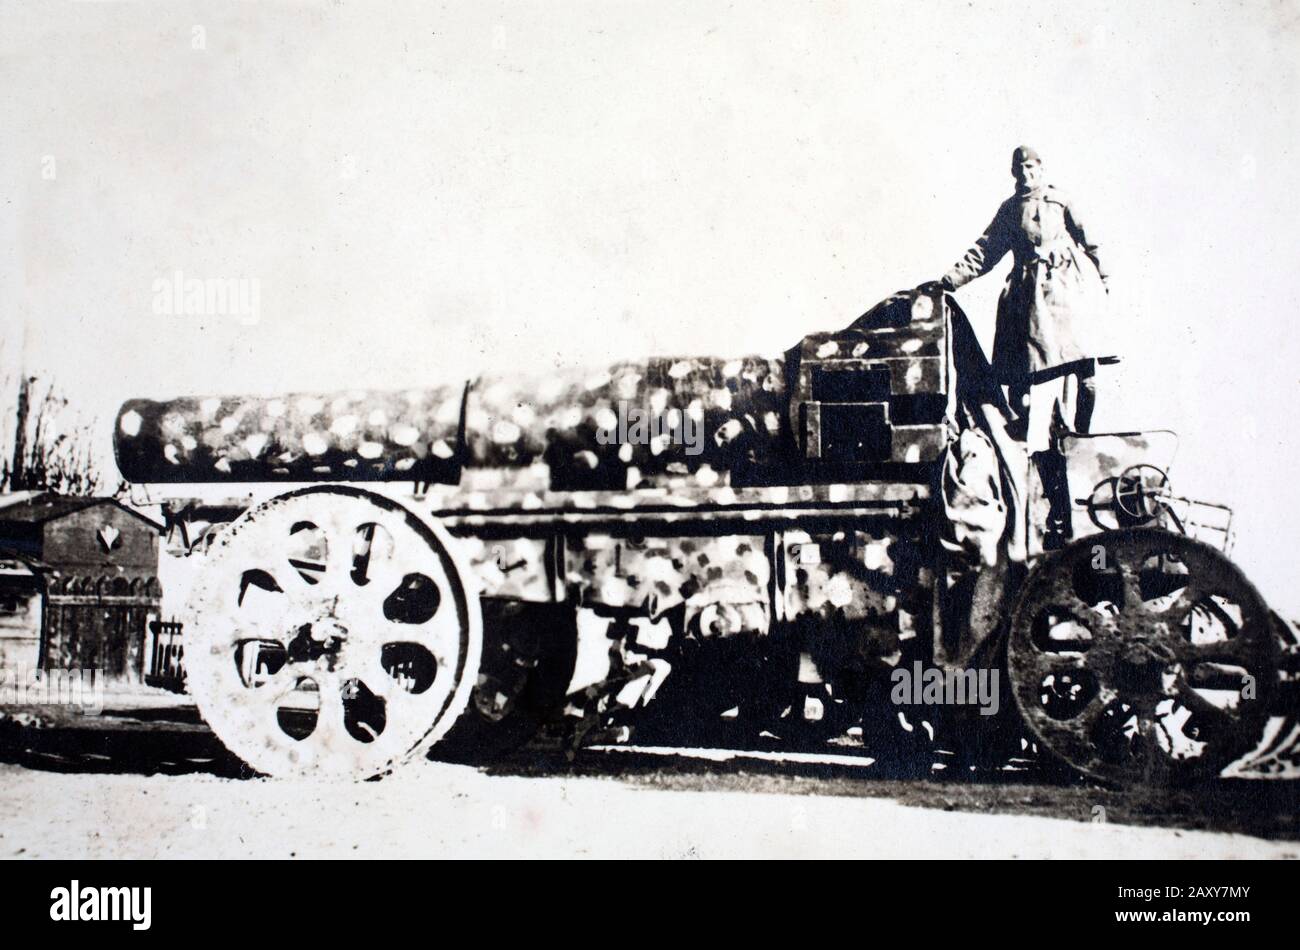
(728, 431)
(254, 444)
(448, 413)
(505, 432)
(706, 476)
(404, 434)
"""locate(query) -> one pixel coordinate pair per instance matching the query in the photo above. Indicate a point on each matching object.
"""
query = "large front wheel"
(330, 632)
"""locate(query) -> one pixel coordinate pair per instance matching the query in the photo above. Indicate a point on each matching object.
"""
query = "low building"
(21, 595)
(78, 584)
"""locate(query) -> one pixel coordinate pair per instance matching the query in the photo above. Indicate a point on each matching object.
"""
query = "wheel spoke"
(1188, 594)
(1216, 676)
(1076, 733)
(371, 672)
(340, 533)
(1131, 584)
(1231, 651)
(329, 724)
(1207, 714)
(383, 579)
(270, 621)
(1145, 753)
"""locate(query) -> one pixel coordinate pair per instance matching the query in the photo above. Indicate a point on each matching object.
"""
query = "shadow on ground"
(174, 741)
(167, 741)
(1262, 808)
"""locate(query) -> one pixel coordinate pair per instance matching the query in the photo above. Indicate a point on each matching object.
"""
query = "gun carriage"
(379, 574)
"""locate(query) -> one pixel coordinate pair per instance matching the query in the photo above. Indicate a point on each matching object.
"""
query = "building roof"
(14, 497)
(49, 506)
(15, 564)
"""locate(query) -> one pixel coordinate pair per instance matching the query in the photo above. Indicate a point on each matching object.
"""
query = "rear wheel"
(1142, 656)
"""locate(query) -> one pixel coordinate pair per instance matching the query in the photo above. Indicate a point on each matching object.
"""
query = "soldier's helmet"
(1021, 155)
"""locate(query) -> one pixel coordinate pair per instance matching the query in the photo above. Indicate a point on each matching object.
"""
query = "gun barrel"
(355, 436)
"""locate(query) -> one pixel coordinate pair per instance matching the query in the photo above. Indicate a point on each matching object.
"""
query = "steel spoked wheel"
(330, 633)
(1142, 657)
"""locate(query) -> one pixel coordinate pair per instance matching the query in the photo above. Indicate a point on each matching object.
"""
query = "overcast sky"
(427, 191)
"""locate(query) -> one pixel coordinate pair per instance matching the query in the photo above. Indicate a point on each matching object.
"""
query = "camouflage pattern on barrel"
(874, 394)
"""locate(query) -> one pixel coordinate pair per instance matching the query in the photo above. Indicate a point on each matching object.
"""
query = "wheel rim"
(329, 632)
(1129, 655)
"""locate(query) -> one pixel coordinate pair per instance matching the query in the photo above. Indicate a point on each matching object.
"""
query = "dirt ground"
(153, 782)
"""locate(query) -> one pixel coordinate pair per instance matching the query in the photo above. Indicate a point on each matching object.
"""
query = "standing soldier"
(1049, 305)
(1048, 310)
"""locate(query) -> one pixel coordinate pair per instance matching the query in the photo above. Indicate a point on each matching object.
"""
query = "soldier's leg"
(1052, 403)
(1050, 467)
(1009, 441)
(1086, 400)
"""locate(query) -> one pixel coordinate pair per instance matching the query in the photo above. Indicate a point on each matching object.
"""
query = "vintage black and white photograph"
(620, 429)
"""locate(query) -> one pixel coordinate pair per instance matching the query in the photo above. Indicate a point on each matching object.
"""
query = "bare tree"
(47, 456)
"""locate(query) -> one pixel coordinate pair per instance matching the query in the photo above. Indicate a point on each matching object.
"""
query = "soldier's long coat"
(1050, 307)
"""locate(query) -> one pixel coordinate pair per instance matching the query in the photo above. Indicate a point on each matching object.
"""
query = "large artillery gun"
(749, 543)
